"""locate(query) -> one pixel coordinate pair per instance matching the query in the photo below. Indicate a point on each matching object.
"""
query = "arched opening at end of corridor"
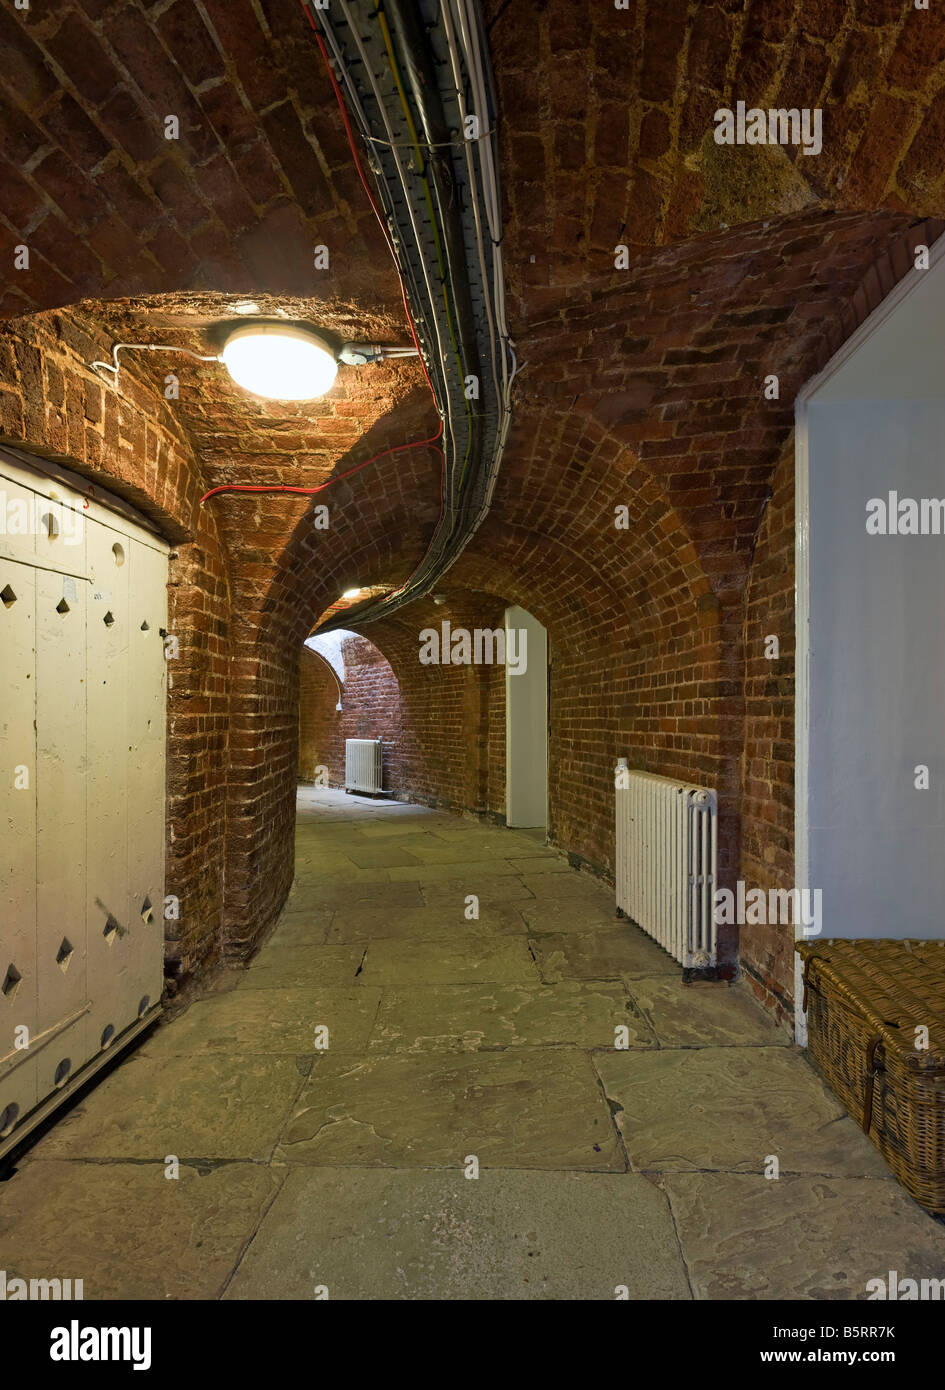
(468, 731)
(349, 695)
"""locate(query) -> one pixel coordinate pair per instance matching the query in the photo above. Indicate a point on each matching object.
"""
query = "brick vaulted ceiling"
(744, 261)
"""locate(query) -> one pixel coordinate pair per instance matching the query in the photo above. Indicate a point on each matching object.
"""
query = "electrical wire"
(447, 472)
(368, 67)
(457, 78)
(364, 184)
(114, 365)
(421, 166)
(468, 60)
(495, 280)
(309, 491)
(354, 151)
(442, 255)
(451, 434)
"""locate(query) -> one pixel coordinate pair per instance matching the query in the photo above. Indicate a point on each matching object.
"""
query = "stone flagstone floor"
(452, 1040)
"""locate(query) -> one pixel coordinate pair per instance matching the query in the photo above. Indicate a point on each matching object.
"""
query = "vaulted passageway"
(566, 328)
(400, 1099)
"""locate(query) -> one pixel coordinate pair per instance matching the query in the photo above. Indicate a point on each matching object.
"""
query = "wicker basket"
(864, 1001)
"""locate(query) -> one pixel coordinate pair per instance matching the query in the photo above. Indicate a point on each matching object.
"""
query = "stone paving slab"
(572, 885)
(490, 889)
(469, 850)
(549, 916)
(703, 1014)
(304, 928)
(194, 1107)
(419, 1235)
(381, 856)
(469, 871)
(446, 1041)
(394, 831)
(497, 840)
(311, 872)
(745, 1236)
(600, 954)
(526, 1109)
(320, 861)
(528, 864)
(282, 963)
(127, 1230)
(727, 1108)
(345, 894)
(264, 1020)
(471, 1017)
(456, 960)
(437, 922)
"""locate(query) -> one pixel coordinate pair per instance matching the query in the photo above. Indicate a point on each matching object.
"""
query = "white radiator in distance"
(667, 861)
(364, 765)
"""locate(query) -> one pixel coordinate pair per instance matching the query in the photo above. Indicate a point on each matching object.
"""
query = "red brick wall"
(495, 744)
(605, 135)
(661, 686)
(767, 861)
(606, 123)
(445, 757)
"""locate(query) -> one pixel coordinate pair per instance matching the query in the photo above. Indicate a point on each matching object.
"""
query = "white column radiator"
(364, 765)
(667, 859)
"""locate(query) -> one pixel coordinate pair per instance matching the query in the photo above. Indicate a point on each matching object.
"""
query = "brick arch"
(326, 669)
(53, 405)
(623, 608)
(109, 206)
(559, 485)
(276, 599)
(672, 361)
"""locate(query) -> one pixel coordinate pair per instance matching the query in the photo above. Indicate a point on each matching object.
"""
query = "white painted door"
(526, 720)
(83, 605)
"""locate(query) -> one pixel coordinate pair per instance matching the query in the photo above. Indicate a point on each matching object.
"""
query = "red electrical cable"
(249, 487)
(399, 448)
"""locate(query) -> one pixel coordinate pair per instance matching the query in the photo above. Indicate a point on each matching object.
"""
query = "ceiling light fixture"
(351, 593)
(280, 361)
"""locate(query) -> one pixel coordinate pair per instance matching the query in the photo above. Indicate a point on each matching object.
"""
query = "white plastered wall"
(870, 620)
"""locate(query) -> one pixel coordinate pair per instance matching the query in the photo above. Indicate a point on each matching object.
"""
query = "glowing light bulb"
(279, 361)
(351, 593)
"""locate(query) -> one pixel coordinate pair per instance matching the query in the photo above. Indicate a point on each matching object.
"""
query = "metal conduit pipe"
(412, 73)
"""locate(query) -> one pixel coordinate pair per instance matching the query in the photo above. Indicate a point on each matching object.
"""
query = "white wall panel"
(147, 674)
(60, 825)
(18, 1006)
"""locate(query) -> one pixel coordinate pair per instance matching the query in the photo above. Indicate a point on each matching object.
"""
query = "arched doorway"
(526, 721)
(347, 690)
